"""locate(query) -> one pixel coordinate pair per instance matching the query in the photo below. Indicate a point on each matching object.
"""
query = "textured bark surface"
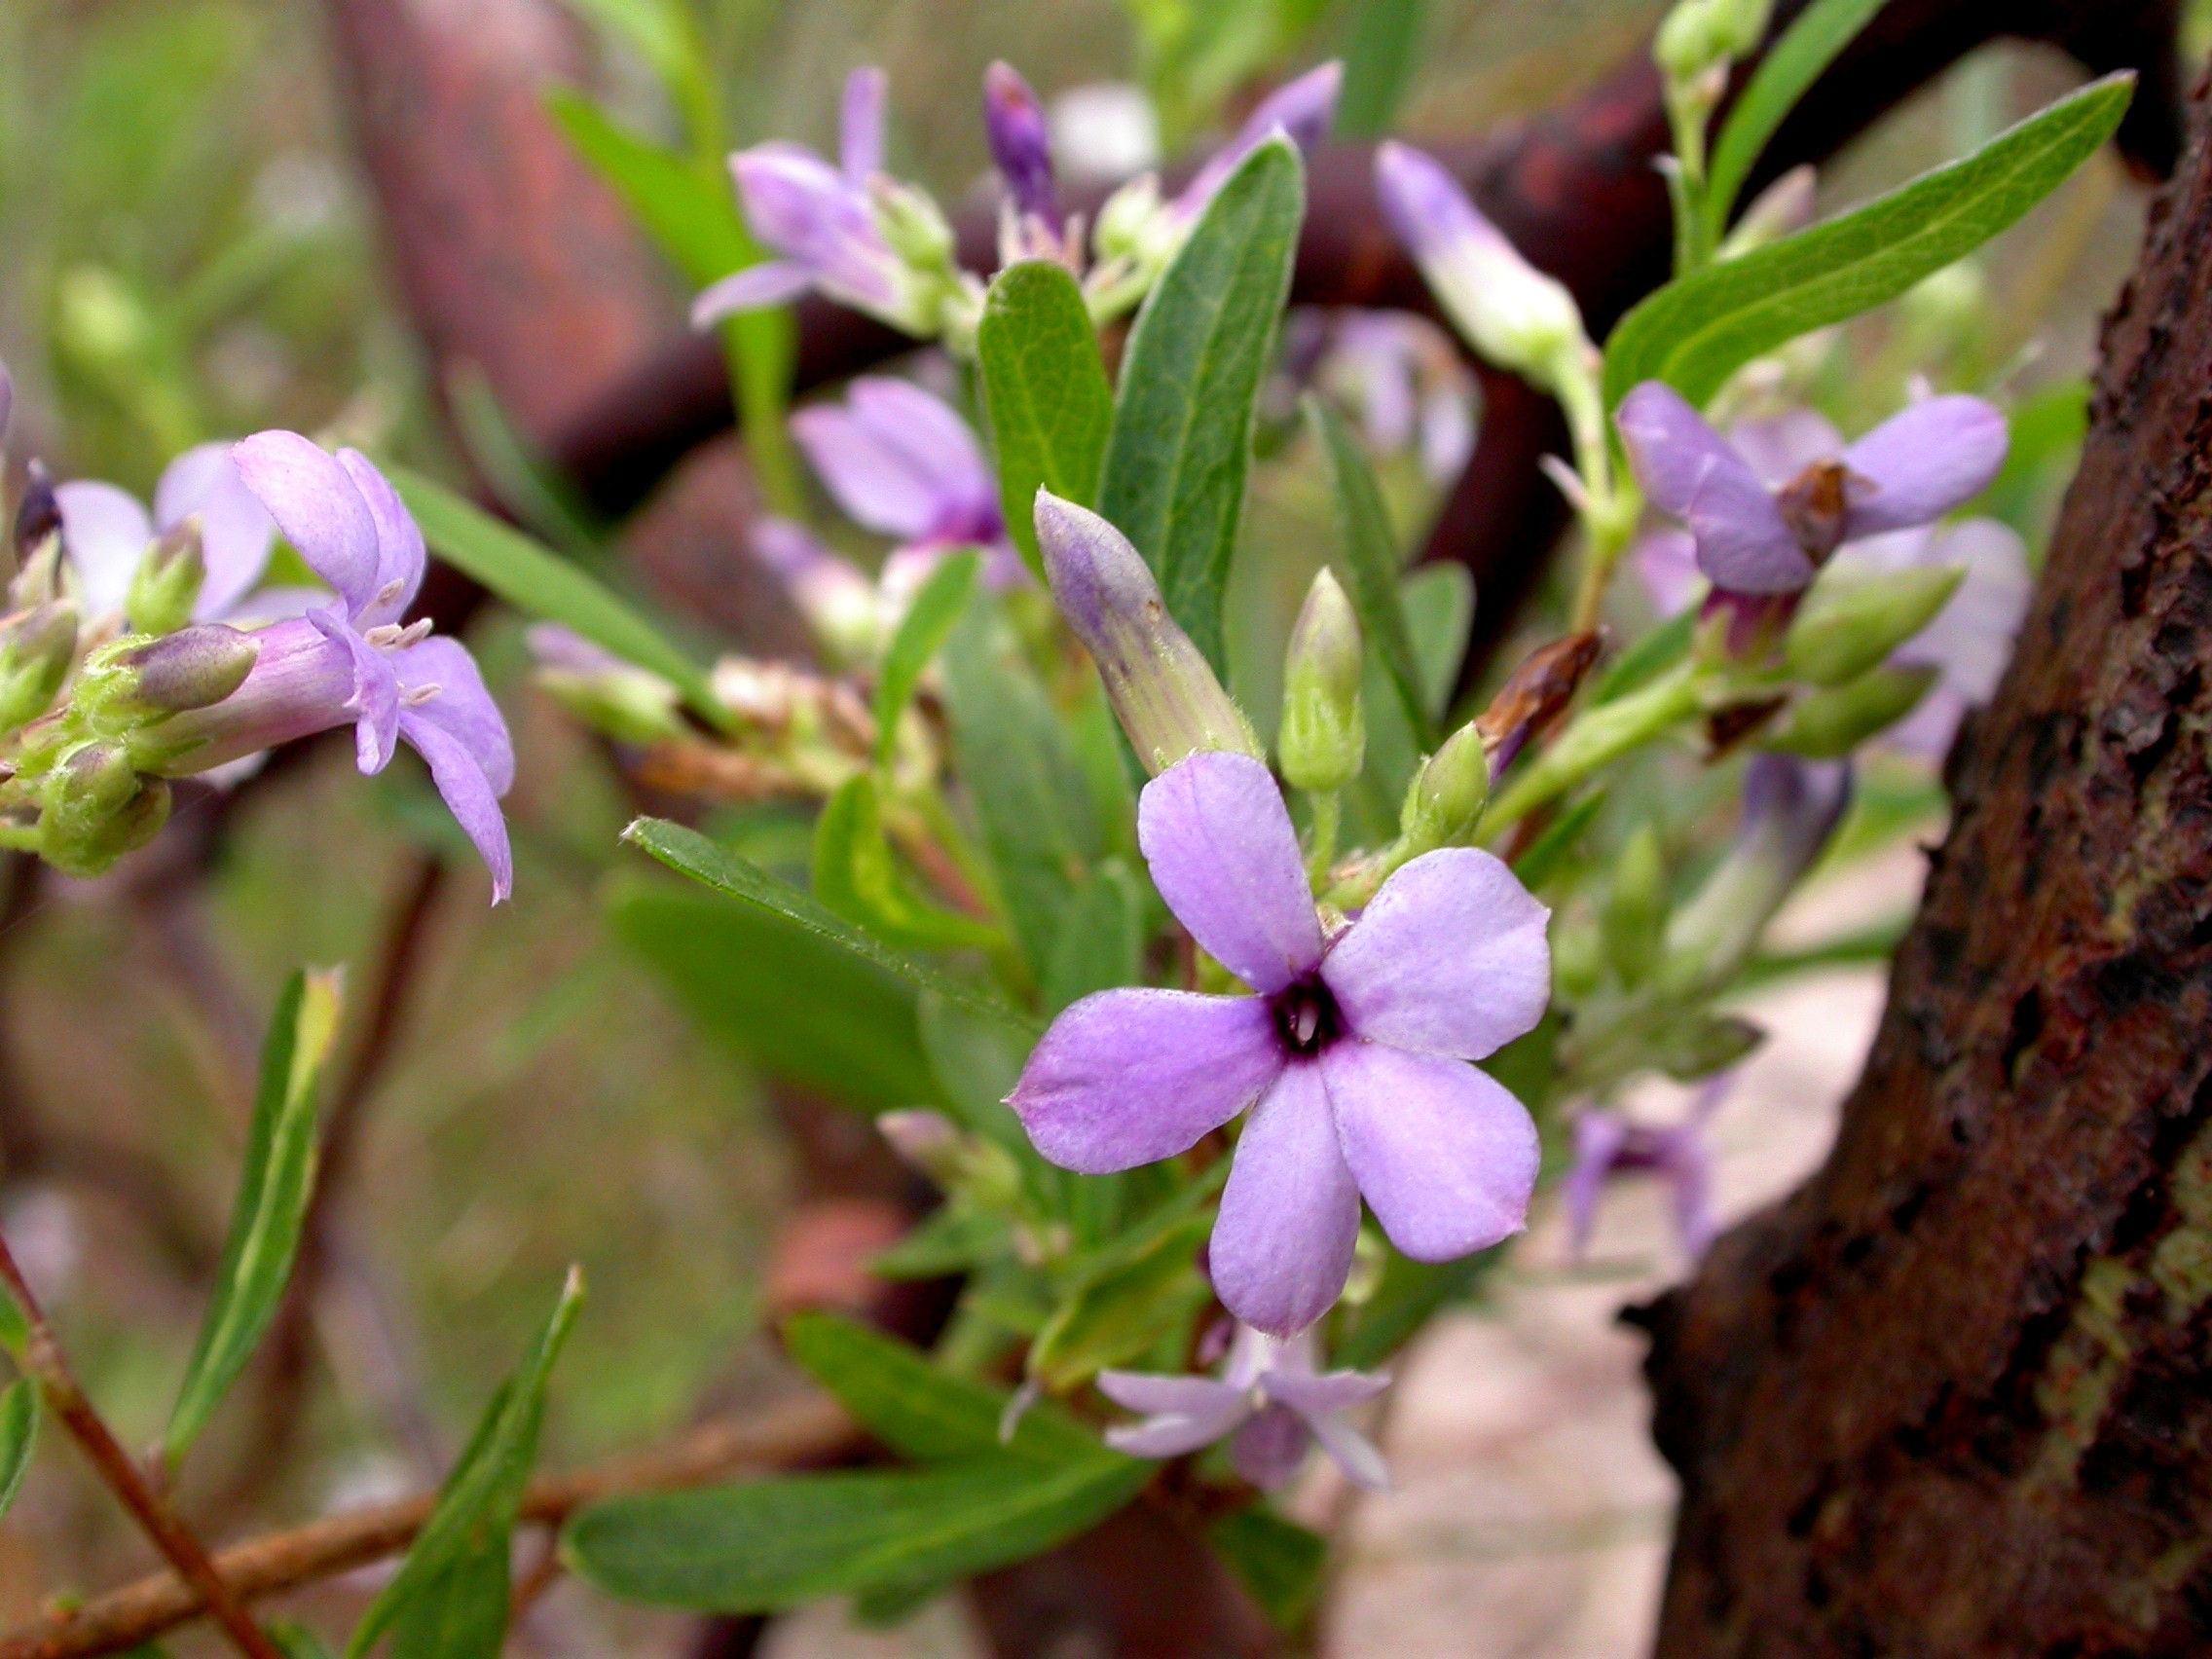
(1954, 1397)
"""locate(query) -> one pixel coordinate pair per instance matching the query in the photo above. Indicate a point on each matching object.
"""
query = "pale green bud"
(136, 682)
(1828, 725)
(629, 707)
(36, 648)
(1635, 922)
(962, 1163)
(1688, 1049)
(166, 587)
(1851, 622)
(1700, 36)
(1446, 800)
(94, 807)
(1323, 738)
(911, 223)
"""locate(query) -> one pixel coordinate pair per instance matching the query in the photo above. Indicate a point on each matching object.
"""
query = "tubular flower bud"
(1536, 695)
(38, 515)
(94, 807)
(193, 668)
(1162, 690)
(1700, 36)
(1850, 622)
(1324, 732)
(36, 648)
(1791, 809)
(1449, 792)
(1828, 726)
(608, 694)
(1022, 145)
(166, 587)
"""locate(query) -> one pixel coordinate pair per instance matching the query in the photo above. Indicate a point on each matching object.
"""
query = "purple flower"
(353, 662)
(1269, 1396)
(903, 464)
(1608, 1144)
(105, 532)
(1768, 510)
(1351, 1056)
(1409, 385)
(1022, 145)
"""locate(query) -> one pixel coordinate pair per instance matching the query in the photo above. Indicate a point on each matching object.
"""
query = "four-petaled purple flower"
(1269, 1396)
(1608, 1143)
(1353, 1054)
(353, 662)
(1761, 534)
(105, 532)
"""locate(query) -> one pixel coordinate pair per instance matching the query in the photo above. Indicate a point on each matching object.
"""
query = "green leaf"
(503, 457)
(656, 30)
(1784, 76)
(476, 1507)
(1029, 789)
(1439, 604)
(976, 1064)
(1372, 561)
(535, 580)
(914, 1408)
(1650, 657)
(690, 212)
(1117, 1315)
(775, 1543)
(1279, 1560)
(951, 1240)
(18, 1433)
(692, 854)
(274, 1186)
(459, 1611)
(856, 876)
(1101, 940)
(1380, 52)
(1044, 393)
(790, 1003)
(921, 635)
(1181, 438)
(1695, 333)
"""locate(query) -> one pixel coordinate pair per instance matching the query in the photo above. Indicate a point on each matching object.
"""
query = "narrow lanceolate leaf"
(920, 636)
(532, 578)
(1045, 393)
(1784, 75)
(271, 1202)
(690, 212)
(694, 855)
(775, 1543)
(1381, 53)
(444, 1583)
(1181, 438)
(1371, 559)
(19, 1430)
(1695, 333)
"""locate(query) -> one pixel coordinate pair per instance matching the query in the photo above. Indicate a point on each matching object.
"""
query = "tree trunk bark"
(1954, 1396)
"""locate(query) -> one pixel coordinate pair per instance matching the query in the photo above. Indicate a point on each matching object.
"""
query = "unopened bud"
(1850, 622)
(1161, 689)
(924, 1140)
(1688, 1049)
(963, 1164)
(1022, 145)
(166, 587)
(1700, 36)
(38, 515)
(1446, 801)
(1534, 695)
(1323, 739)
(912, 225)
(1634, 920)
(1828, 725)
(36, 648)
(94, 807)
(602, 691)
(193, 668)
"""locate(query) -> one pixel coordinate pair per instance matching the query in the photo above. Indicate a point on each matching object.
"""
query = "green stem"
(1321, 853)
(1597, 738)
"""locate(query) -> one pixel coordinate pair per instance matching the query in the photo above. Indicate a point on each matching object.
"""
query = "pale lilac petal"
(1598, 1138)
(772, 282)
(1156, 1395)
(1666, 563)
(104, 531)
(1352, 1452)
(930, 434)
(461, 708)
(467, 793)
(876, 485)
(1682, 1158)
(809, 212)
(1672, 447)
(400, 556)
(1451, 958)
(275, 604)
(1779, 447)
(1443, 1154)
(1133, 1076)
(1269, 1450)
(236, 530)
(860, 123)
(374, 703)
(1302, 108)
(313, 501)
(1331, 1391)
(1691, 471)
(1282, 1243)
(1173, 1434)
(1224, 856)
(1920, 464)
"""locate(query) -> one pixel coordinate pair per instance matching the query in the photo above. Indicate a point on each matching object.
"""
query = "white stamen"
(1309, 1021)
(391, 637)
(415, 697)
(389, 593)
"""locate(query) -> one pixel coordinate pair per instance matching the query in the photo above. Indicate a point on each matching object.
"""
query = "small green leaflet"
(692, 854)
(1693, 334)
(1182, 439)
(278, 1177)
(535, 580)
(443, 1585)
(18, 1432)
(1119, 1316)
(1045, 393)
(855, 875)
(1784, 76)
(775, 1543)
(1372, 561)
(920, 636)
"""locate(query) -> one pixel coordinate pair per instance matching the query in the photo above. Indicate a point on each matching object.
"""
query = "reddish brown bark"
(1954, 1397)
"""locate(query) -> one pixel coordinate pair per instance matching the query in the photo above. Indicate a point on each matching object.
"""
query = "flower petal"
(1289, 1216)
(1450, 958)
(1777, 448)
(1693, 473)
(931, 436)
(1330, 1392)
(313, 501)
(1157, 1395)
(1672, 447)
(877, 484)
(1173, 1433)
(1599, 1136)
(1269, 1450)
(467, 793)
(1352, 1452)
(1303, 108)
(104, 531)
(1224, 856)
(860, 123)
(400, 558)
(236, 530)
(1666, 563)
(1131, 1077)
(374, 703)
(1443, 1154)
(461, 708)
(771, 282)
(1920, 464)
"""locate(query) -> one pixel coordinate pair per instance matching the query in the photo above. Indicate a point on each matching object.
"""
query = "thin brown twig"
(49, 1366)
(807, 1430)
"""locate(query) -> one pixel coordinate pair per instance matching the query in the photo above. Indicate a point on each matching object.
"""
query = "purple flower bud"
(1022, 145)
(38, 516)
(188, 669)
(1302, 109)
